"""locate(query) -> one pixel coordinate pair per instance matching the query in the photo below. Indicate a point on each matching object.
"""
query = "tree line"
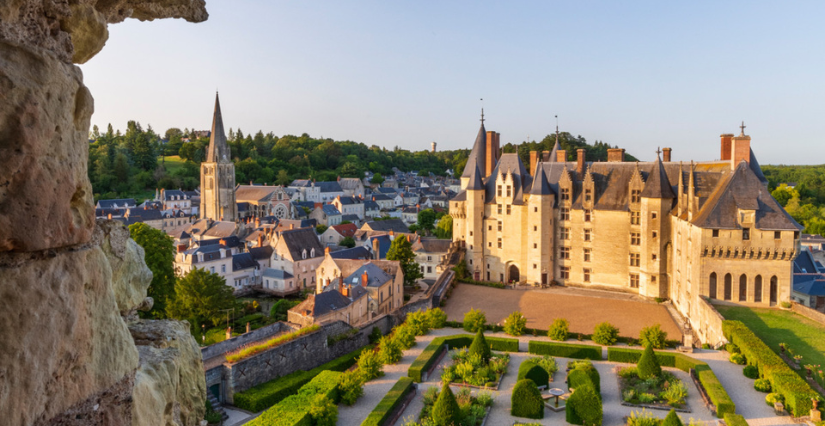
(805, 201)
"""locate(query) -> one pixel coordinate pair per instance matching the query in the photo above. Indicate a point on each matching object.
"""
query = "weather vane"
(482, 110)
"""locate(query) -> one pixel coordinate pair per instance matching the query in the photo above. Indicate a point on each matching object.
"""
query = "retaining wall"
(221, 348)
(706, 321)
(808, 313)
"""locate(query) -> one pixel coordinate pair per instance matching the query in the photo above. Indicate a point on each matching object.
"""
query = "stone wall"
(706, 321)
(221, 348)
(808, 313)
(74, 351)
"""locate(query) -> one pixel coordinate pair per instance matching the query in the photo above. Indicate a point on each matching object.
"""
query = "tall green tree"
(201, 297)
(444, 229)
(160, 254)
(401, 250)
(426, 219)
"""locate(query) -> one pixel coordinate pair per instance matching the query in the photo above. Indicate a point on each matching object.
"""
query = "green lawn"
(774, 326)
(172, 162)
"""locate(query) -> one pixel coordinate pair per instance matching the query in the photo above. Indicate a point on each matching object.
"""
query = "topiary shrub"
(648, 364)
(605, 334)
(481, 348)
(653, 336)
(737, 359)
(751, 372)
(526, 400)
(773, 398)
(515, 324)
(559, 330)
(529, 369)
(584, 375)
(474, 320)
(445, 410)
(584, 407)
(732, 348)
(762, 385)
(672, 419)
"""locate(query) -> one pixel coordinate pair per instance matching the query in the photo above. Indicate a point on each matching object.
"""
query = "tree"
(279, 310)
(648, 364)
(444, 229)
(445, 410)
(160, 255)
(347, 242)
(320, 229)
(283, 178)
(783, 194)
(479, 347)
(377, 179)
(426, 219)
(401, 250)
(672, 419)
(201, 296)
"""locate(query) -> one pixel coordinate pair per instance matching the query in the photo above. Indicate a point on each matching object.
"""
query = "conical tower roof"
(218, 149)
(540, 186)
(478, 155)
(476, 181)
(658, 185)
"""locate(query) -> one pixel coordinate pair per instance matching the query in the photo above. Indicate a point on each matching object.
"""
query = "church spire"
(218, 150)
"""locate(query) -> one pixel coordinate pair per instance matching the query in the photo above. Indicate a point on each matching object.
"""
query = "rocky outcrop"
(71, 288)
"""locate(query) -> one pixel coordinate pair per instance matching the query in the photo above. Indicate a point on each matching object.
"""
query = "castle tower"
(218, 175)
(475, 222)
(656, 203)
(540, 241)
(478, 156)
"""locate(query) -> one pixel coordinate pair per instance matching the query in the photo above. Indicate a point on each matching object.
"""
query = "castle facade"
(660, 229)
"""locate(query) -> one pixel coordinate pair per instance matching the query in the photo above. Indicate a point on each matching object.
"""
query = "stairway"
(216, 405)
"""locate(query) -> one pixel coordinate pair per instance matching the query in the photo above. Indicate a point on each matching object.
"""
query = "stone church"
(218, 175)
(661, 229)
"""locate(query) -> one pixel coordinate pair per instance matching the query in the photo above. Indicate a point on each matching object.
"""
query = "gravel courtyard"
(583, 308)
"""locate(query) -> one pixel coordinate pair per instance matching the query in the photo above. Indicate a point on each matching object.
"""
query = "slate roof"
(278, 274)
(329, 301)
(384, 244)
(432, 245)
(243, 261)
(229, 242)
(218, 150)
(330, 210)
(386, 191)
(376, 277)
(510, 164)
(254, 193)
(658, 185)
(371, 205)
(260, 253)
(210, 252)
(804, 263)
(346, 200)
(478, 155)
(144, 215)
(540, 185)
(297, 240)
(356, 253)
(242, 206)
(350, 217)
(350, 183)
(115, 203)
(395, 225)
(329, 186)
(811, 287)
(169, 193)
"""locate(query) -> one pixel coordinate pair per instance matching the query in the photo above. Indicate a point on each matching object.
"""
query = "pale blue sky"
(635, 74)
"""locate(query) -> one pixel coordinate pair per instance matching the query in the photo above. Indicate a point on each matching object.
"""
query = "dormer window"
(635, 196)
(312, 253)
(304, 254)
(565, 194)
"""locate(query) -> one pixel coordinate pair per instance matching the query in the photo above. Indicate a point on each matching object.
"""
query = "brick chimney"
(181, 248)
(326, 250)
(580, 165)
(376, 249)
(545, 156)
(222, 242)
(740, 150)
(615, 155)
(726, 144)
(392, 235)
(260, 240)
(534, 157)
(341, 286)
(666, 154)
(364, 279)
(492, 152)
(291, 226)
(228, 333)
(109, 216)
(561, 156)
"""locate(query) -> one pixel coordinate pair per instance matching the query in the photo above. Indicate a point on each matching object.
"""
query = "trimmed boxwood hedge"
(584, 407)
(784, 381)
(735, 420)
(391, 400)
(431, 353)
(526, 400)
(717, 394)
(529, 369)
(565, 350)
(270, 393)
(294, 409)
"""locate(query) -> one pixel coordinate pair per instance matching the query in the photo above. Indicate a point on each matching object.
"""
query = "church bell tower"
(218, 175)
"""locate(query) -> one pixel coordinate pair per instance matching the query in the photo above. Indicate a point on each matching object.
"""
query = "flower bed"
(269, 344)
(470, 369)
(472, 409)
(663, 391)
(428, 357)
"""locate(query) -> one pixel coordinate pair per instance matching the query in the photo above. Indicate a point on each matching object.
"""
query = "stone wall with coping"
(707, 323)
(808, 313)
(236, 342)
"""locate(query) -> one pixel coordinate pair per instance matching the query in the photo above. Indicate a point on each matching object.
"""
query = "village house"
(429, 253)
(326, 214)
(349, 205)
(298, 252)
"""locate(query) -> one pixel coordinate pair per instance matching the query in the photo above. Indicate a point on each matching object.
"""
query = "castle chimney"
(376, 249)
(341, 286)
(615, 155)
(181, 248)
(109, 216)
(260, 240)
(291, 226)
(339, 180)
(666, 154)
(534, 157)
(326, 250)
(726, 144)
(580, 162)
(492, 152)
(545, 156)
(364, 279)
(561, 156)
(740, 150)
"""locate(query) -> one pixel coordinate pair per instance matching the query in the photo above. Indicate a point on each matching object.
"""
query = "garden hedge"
(565, 350)
(584, 407)
(784, 381)
(583, 376)
(717, 394)
(529, 369)
(270, 393)
(431, 353)
(391, 400)
(294, 409)
(526, 400)
(732, 419)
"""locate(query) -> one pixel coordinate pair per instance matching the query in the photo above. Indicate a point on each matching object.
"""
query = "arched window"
(728, 280)
(304, 254)
(312, 253)
(743, 288)
(757, 288)
(712, 286)
(774, 290)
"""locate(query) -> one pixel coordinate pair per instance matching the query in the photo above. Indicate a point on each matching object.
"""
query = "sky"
(639, 75)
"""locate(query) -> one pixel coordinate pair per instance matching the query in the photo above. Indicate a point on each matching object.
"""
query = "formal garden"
(432, 372)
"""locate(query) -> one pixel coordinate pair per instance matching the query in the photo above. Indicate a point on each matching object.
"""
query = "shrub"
(323, 411)
(526, 400)
(732, 349)
(418, 323)
(653, 336)
(605, 334)
(675, 394)
(732, 419)
(351, 387)
(436, 318)
(391, 400)
(762, 385)
(737, 359)
(584, 407)
(474, 320)
(584, 375)
(643, 418)
(773, 398)
(369, 365)
(565, 350)
(751, 372)
(548, 363)
(375, 335)
(445, 410)
(389, 351)
(559, 330)
(716, 392)
(515, 324)
(294, 410)
(529, 369)
(480, 348)
(404, 335)
(648, 364)
(672, 419)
